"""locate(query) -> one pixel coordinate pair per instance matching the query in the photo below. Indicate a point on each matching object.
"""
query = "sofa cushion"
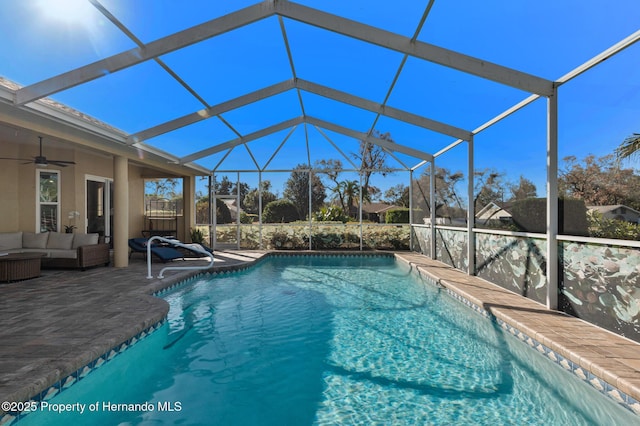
(34, 240)
(10, 251)
(10, 240)
(84, 240)
(43, 252)
(62, 254)
(58, 240)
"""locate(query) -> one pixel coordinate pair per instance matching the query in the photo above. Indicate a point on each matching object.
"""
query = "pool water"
(301, 340)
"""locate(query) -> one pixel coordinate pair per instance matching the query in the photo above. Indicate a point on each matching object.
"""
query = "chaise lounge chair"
(164, 253)
(195, 249)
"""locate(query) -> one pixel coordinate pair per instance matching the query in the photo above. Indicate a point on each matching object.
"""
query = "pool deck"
(54, 325)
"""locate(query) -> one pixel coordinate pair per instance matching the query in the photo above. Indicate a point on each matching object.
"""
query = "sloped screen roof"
(204, 79)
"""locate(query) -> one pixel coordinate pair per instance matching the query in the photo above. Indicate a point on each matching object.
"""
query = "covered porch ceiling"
(189, 89)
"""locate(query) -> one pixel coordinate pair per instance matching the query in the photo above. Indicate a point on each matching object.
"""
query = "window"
(48, 200)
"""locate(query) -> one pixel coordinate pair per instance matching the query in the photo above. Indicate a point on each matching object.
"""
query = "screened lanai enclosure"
(318, 125)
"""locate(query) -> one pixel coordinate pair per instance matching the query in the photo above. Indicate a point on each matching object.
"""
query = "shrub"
(223, 214)
(197, 236)
(600, 227)
(530, 215)
(280, 211)
(331, 214)
(400, 215)
(286, 240)
(324, 240)
(246, 219)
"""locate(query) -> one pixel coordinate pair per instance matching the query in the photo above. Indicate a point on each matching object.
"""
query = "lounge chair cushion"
(35, 240)
(80, 240)
(166, 253)
(58, 240)
(138, 244)
(197, 246)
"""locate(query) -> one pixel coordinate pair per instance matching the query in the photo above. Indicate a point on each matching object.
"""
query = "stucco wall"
(18, 187)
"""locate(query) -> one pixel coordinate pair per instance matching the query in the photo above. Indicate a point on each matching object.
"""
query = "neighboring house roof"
(611, 208)
(493, 211)
(233, 208)
(378, 207)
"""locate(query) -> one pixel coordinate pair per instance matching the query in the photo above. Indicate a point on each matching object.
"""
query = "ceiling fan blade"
(17, 159)
(60, 163)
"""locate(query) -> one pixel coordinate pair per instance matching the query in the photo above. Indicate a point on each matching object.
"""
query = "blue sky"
(546, 38)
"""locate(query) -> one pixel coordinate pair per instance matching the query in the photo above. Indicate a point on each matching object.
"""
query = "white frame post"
(471, 215)
(432, 207)
(260, 208)
(410, 210)
(310, 206)
(238, 223)
(552, 200)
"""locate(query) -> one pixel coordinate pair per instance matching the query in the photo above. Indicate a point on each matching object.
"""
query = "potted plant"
(72, 217)
(197, 236)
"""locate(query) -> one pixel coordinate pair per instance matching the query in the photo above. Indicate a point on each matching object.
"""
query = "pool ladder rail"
(192, 247)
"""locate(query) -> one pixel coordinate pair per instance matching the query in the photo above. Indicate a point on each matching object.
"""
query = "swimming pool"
(328, 340)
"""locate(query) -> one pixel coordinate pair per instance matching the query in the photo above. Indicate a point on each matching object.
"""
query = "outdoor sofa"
(74, 250)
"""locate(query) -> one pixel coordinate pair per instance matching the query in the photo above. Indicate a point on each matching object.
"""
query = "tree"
(487, 187)
(251, 200)
(398, 195)
(240, 187)
(351, 191)
(224, 187)
(373, 159)
(162, 188)
(447, 201)
(599, 181)
(629, 147)
(523, 189)
(332, 169)
(297, 190)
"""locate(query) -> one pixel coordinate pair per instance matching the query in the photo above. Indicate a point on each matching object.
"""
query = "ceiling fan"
(41, 160)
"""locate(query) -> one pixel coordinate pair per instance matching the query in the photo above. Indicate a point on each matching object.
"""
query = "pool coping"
(616, 380)
(610, 363)
(139, 304)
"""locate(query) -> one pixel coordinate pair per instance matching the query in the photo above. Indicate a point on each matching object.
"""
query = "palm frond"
(629, 147)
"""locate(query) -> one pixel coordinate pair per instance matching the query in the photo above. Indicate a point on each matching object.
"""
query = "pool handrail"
(192, 247)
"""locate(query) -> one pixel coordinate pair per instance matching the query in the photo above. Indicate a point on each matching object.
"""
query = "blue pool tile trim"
(602, 386)
(597, 383)
(12, 417)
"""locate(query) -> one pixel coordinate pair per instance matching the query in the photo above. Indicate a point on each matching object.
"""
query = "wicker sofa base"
(88, 257)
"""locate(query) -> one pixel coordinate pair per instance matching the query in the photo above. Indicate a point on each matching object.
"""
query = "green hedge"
(530, 215)
(223, 214)
(401, 215)
(280, 211)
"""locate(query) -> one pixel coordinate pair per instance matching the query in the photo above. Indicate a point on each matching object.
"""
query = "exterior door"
(99, 206)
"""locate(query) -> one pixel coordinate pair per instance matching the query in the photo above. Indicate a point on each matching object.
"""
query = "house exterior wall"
(136, 202)
(18, 186)
(11, 195)
(622, 213)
